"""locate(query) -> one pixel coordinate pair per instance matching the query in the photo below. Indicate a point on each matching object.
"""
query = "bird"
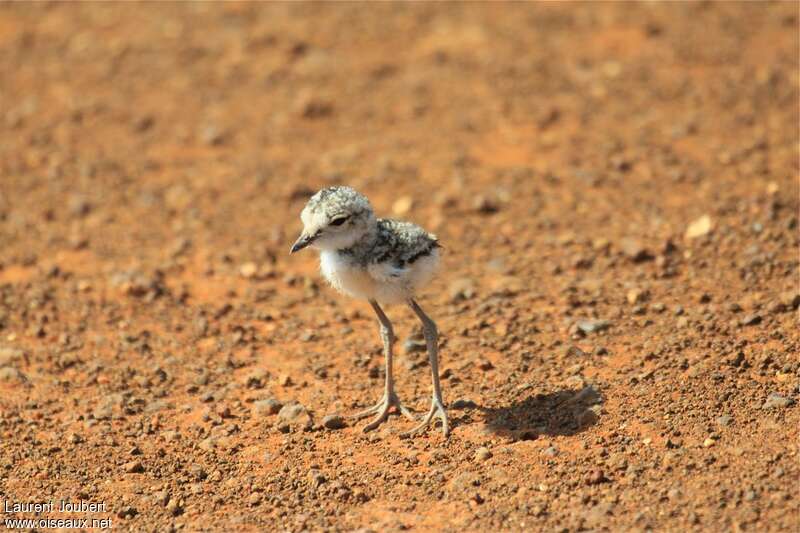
(385, 262)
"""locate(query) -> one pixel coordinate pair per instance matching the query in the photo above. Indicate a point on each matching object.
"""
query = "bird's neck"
(364, 241)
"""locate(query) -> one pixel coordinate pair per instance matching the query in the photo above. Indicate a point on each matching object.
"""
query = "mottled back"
(397, 242)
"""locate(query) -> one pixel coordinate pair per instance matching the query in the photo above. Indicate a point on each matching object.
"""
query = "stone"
(161, 498)
(248, 270)
(482, 454)
(212, 135)
(596, 477)
(333, 422)
(751, 320)
(593, 325)
(295, 416)
(174, 507)
(635, 296)
(461, 289)
(463, 403)
(485, 365)
(133, 467)
(550, 451)
(724, 420)
(316, 478)
(127, 512)
(402, 205)
(9, 374)
(699, 228)
(9, 356)
(207, 444)
(414, 344)
(635, 250)
(270, 406)
(589, 416)
(736, 359)
(790, 299)
(776, 401)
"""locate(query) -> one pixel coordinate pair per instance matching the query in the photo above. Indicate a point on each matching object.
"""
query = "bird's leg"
(432, 340)
(389, 396)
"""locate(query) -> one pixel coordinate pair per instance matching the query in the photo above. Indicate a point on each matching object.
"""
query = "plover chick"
(384, 262)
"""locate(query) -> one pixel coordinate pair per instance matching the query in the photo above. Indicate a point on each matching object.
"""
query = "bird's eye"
(338, 221)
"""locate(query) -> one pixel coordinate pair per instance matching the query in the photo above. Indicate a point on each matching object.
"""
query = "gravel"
(269, 406)
(699, 228)
(724, 420)
(751, 319)
(483, 454)
(151, 267)
(133, 467)
(414, 344)
(294, 416)
(9, 374)
(777, 401)
(634, 250)
(593, 326)
(463, 403)
(333, 422)
(9, 356)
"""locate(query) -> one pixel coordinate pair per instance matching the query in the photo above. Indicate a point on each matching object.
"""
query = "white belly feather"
(382, 281)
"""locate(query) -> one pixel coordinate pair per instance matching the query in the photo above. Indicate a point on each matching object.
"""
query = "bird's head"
(334, 218)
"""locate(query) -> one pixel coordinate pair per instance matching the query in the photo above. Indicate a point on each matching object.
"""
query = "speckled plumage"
(365, 257)
(397, 242)
(339, 199)
(382, 261)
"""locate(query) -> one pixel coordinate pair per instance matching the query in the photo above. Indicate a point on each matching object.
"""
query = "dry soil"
(616, 189)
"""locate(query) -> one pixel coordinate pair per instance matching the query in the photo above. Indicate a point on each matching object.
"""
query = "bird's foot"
(437, 410)
(382, 408)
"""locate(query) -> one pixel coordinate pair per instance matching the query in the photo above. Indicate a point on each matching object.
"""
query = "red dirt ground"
(616, 187)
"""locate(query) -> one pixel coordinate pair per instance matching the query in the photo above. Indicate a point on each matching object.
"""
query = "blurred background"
(616, 188)
(193, 119)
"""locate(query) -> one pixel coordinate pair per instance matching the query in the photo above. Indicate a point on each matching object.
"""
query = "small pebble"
(463, 403)
(248, 270)
(776, 401)
(414, 344)
(596, 477)
(482, 454)
(724, 420)
(133, 467)
(635, 250)
(700, 227)
(402, 205)
(174, 507)
(635, 296)
(270, 406)
(334, 422)
(592, 326)
(550, 451)
(751, 320)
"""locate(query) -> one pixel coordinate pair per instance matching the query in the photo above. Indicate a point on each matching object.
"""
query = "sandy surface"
(616, 188)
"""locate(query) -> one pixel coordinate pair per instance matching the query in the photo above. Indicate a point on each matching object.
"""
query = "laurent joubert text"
(60, 506)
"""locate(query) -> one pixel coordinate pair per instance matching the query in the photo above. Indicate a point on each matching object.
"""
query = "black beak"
(301, 243)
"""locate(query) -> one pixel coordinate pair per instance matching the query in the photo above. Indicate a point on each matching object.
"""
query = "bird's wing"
(399, 246)
(386, 272)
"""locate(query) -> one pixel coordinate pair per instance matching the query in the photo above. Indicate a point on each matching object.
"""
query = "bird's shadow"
(565, 412)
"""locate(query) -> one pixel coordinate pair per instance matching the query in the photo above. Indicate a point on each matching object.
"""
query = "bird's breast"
(346, 276)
